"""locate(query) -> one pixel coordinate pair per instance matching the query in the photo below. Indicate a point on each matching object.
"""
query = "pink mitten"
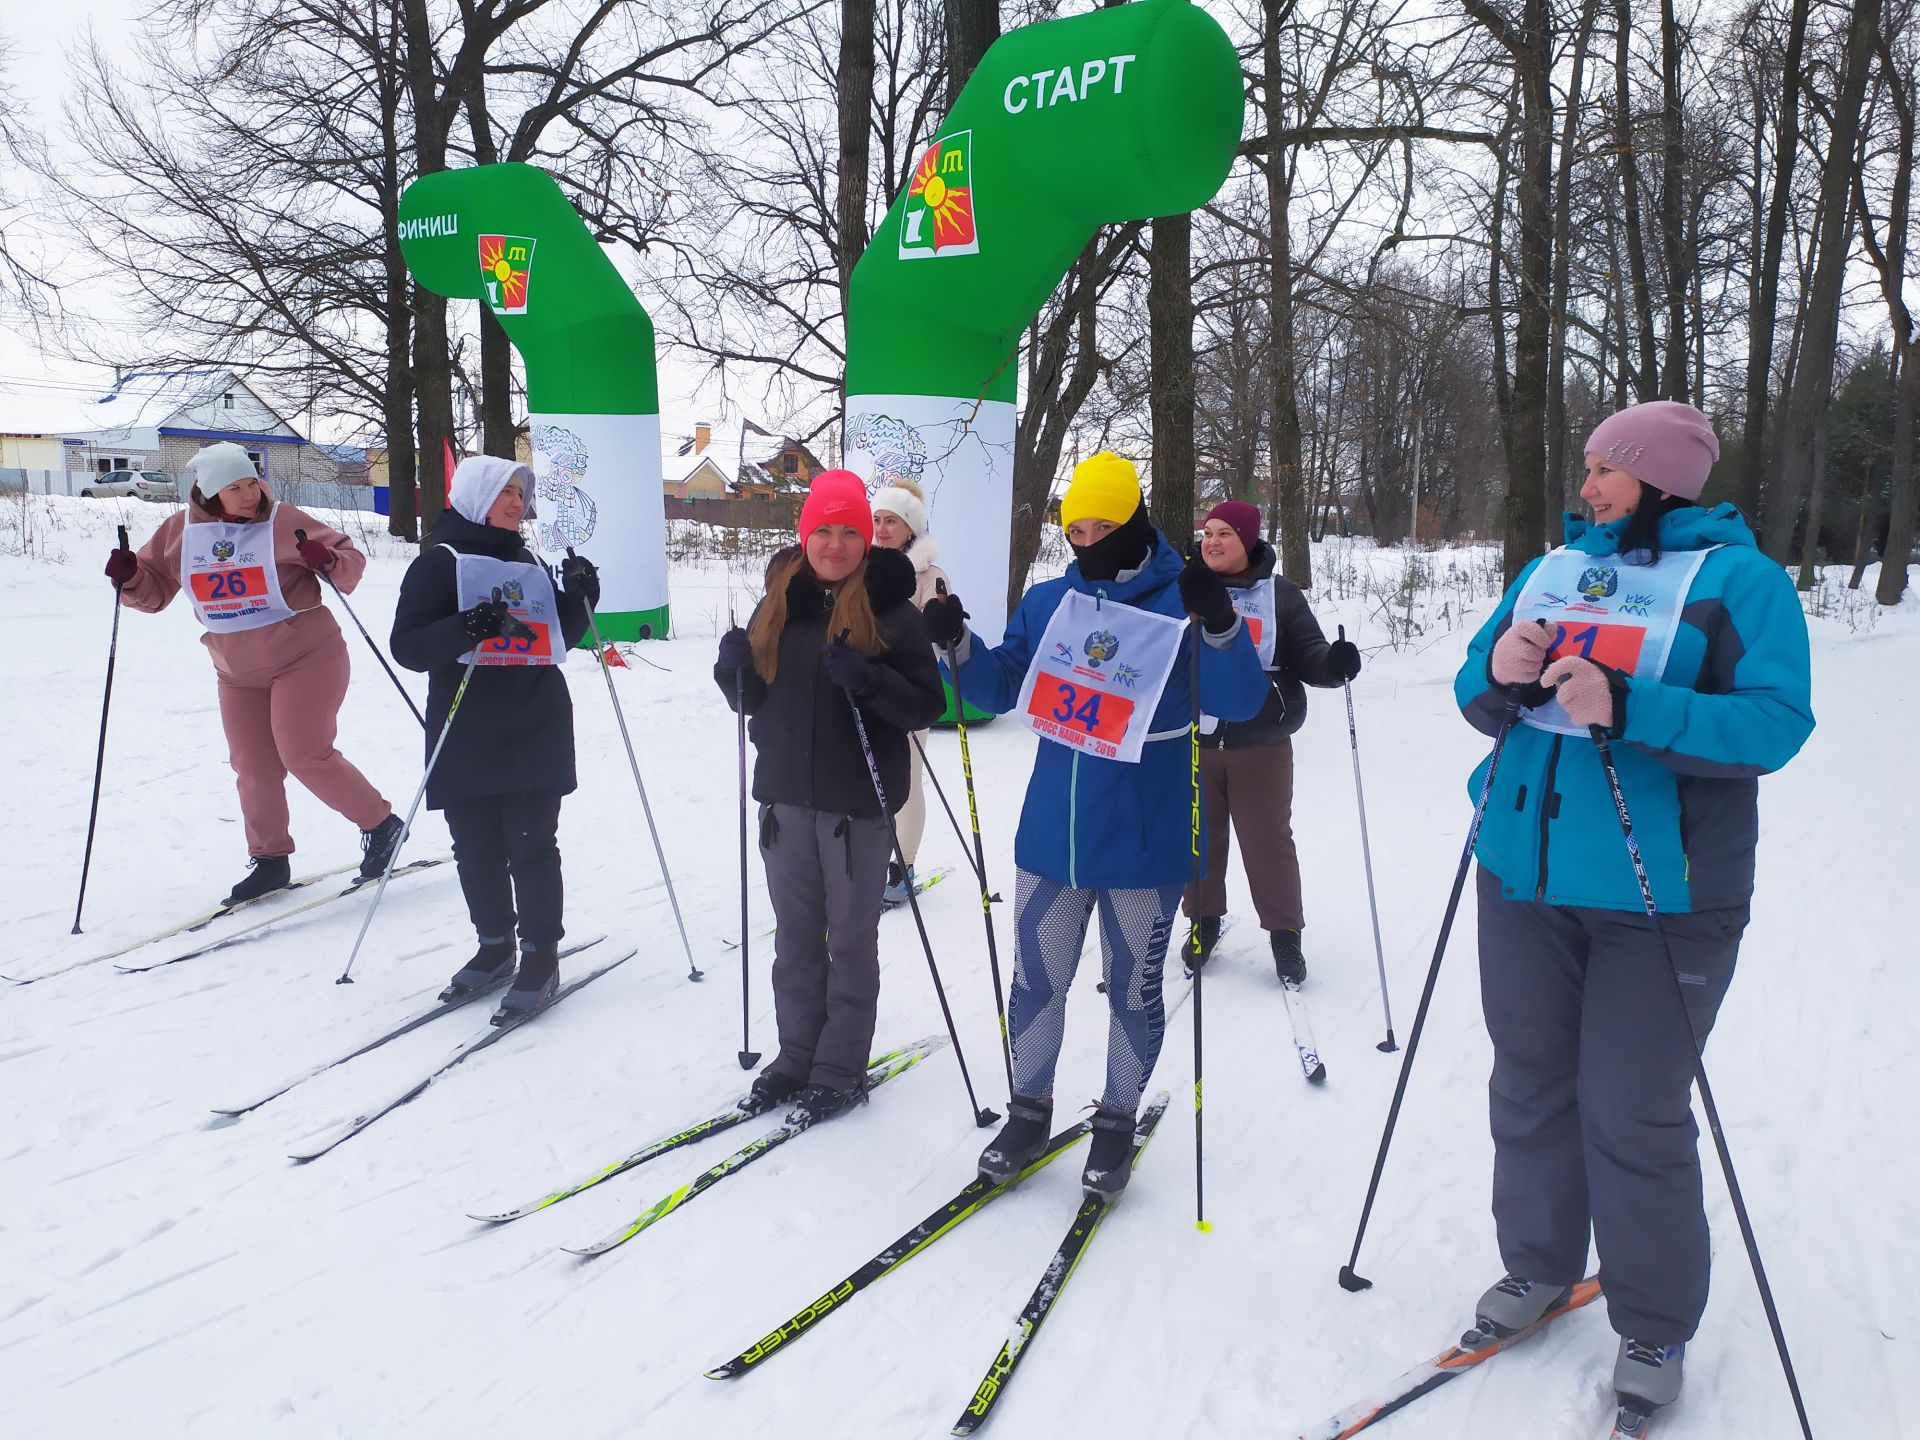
(1519, 654)
(1582, 689)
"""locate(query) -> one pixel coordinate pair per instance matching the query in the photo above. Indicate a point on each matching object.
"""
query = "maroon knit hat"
(1663, 443)
(1243, 519)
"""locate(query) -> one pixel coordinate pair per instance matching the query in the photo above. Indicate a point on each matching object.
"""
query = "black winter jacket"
(515, 727)
(807, 751)
(1299, 655)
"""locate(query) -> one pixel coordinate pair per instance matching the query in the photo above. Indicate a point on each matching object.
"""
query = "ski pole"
(100, 750)
(1599, 734)
(1200, 1221)
(749, 1057)
(1366, 854)
(981, 1117)
(514, 629)
(987, 897)
(926, 767)
(694, 972)
(1349, 1279)
(341, 595)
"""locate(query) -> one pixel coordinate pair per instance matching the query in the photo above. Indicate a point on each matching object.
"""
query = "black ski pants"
(1591, 1098)
(509, 860)
(825, 873)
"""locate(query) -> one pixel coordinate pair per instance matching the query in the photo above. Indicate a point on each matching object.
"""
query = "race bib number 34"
(1078, 713)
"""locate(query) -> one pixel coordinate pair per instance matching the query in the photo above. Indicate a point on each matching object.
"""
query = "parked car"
(138, 484)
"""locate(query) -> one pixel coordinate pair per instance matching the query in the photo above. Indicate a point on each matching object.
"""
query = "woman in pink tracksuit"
(278, 655)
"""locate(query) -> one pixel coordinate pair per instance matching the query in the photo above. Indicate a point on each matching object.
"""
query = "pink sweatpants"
(286, 722)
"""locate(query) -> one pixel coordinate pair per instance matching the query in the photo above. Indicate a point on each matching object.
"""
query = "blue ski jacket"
(1734, 703)
(1095, 823)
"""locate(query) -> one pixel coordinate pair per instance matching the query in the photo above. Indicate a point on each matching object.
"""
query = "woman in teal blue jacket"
(1663, 623)
(1098, 664)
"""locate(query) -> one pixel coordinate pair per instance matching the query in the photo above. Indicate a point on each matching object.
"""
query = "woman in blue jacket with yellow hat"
(1096, 662)
(1663, 623)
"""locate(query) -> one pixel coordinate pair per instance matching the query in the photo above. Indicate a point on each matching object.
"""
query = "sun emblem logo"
(938, 218)
(1100, 645)
(1597, 582)
(223, 549)
(506, 265)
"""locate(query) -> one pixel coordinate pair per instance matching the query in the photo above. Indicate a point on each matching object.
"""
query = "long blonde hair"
(852, 611)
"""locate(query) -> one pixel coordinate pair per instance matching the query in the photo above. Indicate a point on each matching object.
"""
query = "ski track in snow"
(166, 1273)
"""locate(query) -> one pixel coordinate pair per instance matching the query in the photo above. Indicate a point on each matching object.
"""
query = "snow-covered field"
(164, 1275)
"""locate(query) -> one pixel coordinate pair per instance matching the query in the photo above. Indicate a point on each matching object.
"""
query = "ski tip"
(1353, 1283)
(1317, 1075)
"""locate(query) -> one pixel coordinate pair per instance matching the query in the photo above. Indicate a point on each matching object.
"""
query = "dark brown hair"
(850, 605)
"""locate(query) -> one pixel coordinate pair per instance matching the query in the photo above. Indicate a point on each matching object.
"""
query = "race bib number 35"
(520, 649)
(214, 587)
(1078, 712)
(1615, 646)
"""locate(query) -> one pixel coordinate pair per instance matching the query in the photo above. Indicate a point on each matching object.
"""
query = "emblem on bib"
(223, 549)
(1100, 645)
(1599, 581)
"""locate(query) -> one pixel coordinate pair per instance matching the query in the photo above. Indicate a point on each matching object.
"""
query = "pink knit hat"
(837, 497)
(1664, 443)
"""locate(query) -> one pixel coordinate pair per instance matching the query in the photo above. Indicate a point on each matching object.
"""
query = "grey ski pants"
(825, 873)
(1591, 1098)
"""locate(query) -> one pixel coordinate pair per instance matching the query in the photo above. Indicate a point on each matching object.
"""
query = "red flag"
(612, 656)
(449, 452)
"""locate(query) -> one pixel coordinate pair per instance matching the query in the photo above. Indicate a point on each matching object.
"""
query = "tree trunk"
(1170, 395)
(403, 514)
(1673, 209)
(1904, 482)
(856, 133)
(1296, 556)
(1809, 399)
(495, 400)
(1646, 374)
(1763, 317)
(972, 25)
(1562, 255)
(432, 359)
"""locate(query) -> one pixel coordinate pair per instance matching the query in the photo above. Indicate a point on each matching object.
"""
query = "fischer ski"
(1052, 1281)
(186, 927)
(327, 1139)
(968, 1202)
(1449, 1364)
(1311, 1064)
(405, 1027)
(259, 927)
(879, 1071)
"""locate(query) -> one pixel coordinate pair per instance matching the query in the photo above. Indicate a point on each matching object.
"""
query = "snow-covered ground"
(164, 1275)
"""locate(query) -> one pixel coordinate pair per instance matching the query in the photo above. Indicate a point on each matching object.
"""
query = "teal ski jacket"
(1733, 704)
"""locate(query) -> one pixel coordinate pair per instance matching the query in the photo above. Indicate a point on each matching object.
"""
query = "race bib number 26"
(211, 586)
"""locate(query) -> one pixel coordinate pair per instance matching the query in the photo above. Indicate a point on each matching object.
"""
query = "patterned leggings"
(1050, 926)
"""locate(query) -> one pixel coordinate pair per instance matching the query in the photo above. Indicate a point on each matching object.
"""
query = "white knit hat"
(904, 503)
(220, 465)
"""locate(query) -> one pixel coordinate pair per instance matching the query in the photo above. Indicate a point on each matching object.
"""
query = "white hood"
(478, 481)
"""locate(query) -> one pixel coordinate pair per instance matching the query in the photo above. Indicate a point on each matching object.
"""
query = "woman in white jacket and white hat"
(900, 523)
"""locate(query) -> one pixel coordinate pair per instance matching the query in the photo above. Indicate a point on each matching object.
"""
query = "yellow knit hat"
(1105, 486)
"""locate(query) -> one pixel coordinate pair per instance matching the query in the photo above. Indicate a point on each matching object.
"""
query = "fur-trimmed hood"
(923, 552)
(889, 578)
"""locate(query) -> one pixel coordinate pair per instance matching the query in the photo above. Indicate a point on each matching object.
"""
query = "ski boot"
(822, 1102)
(1205, 931)
(1288, 963)
(267, 873)
(491, 964)
(770, 1088)
(1645, 1379)
(1109, 1154)
(1510, 1306)
(535, 986)
(377, 846)
(900, 884)
(1019, 1142)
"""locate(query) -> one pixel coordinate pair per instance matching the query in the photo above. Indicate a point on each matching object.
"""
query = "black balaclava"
(1128, 548)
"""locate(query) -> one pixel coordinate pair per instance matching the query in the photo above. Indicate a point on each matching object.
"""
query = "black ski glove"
(578, 577)
(1203, 593)
(486, 621)
(846, 666)
(736, 652)
(1344, 658)
(946, 621)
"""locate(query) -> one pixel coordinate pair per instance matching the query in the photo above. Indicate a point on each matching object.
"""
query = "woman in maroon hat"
(1246, 766)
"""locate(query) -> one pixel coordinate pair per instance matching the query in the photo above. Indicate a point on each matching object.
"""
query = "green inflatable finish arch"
(505, 235)
(1122, 114)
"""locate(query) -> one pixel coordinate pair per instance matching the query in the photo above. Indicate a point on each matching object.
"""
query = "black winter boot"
(268, 874)
(770, 1088)
(1110, 1155)
(534, 986)
(491, 965)
(1020, 1140)
(1288, 963)
(378, 845)
(822, 1102)
(1207, 930)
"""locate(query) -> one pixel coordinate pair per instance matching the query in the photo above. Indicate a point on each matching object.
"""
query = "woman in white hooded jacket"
(900, 523)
